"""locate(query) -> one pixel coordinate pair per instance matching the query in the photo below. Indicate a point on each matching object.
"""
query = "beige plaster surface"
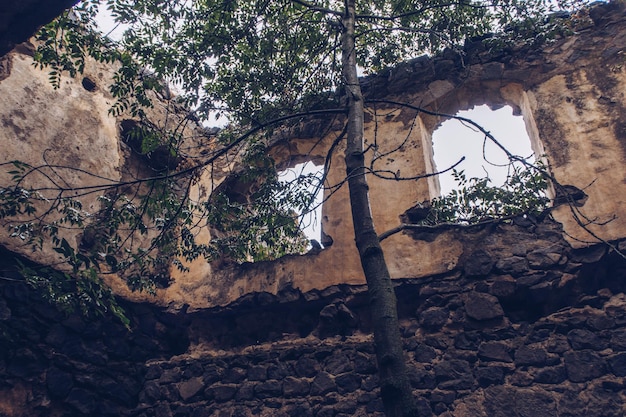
(573, 110)
(68, 127)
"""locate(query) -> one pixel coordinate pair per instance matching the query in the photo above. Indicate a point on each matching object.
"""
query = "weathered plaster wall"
(504, 319)
(72, 130)
(65, 127)
(570, 92)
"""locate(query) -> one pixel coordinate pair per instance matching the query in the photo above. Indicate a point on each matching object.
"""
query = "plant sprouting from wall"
(476, 200)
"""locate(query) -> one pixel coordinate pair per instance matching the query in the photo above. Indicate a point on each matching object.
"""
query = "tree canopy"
(253, 60)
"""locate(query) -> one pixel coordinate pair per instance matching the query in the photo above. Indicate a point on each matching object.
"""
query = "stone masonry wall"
(538, 329)
(571, 93)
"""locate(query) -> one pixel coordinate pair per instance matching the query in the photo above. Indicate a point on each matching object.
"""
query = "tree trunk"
(394, 382)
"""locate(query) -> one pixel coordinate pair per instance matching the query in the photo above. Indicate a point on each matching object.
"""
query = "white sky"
(107, 25)
(452, 141)
(311, 223)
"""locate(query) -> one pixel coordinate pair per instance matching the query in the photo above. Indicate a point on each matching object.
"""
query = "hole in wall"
(309, 175)
(454, 140)
(89, 84)
(269, 214)
(144, 142)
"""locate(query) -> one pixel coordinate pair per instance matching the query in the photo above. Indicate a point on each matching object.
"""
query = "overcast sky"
(452, 140)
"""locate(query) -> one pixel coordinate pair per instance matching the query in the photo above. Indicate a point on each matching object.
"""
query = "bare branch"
(315, 7)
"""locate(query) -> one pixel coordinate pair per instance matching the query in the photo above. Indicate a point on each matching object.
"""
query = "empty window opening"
(307, 176)
(454, 140)
(262, 214)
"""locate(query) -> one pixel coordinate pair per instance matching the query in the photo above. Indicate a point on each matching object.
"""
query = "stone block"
(364, 364)
(434, 318)
(584, 339)
(336, 364)
(257, 373)
(221, 392)
(187, 389)
(482, 306)
(294, 387)
(234, 376)
(494, 351)
(322, 384)
(526, 355)
(306, 367)
(479, 263)
(584, 365)
(545, 258)
(618, 340)
(347, 383)
(551, 375)
(514, 265)
(617, 363)
(489, 375)
(423, 353)
(268, 389)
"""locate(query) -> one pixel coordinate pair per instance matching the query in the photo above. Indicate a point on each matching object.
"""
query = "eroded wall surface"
(571, 93)
(503, 319)
(526, 327)
(72, 141)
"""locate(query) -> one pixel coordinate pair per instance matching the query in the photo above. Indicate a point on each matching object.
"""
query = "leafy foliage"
(260, 59)
(524, 192)
(64, 43)
(142, 228)
(82, 290)
(259, 222)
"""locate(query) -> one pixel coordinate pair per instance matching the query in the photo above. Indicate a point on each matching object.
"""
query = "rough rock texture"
(571, 95)
(71, 129)
(546, 340)
(514, 318)
(19, 19)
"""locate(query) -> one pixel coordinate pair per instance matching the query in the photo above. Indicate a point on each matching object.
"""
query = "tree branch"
(317, 8)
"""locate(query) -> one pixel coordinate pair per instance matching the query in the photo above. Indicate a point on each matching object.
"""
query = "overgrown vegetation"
(475, 200)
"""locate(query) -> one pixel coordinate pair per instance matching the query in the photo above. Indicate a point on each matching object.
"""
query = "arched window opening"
(308, 176)
(482, 181)
(454, 140)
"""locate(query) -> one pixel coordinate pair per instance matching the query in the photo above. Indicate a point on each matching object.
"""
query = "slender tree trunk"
(394, 382)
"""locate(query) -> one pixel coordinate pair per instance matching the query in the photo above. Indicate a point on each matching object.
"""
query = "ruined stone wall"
(511, 319)
(571, 94)
(71, 139)
(537, 329)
